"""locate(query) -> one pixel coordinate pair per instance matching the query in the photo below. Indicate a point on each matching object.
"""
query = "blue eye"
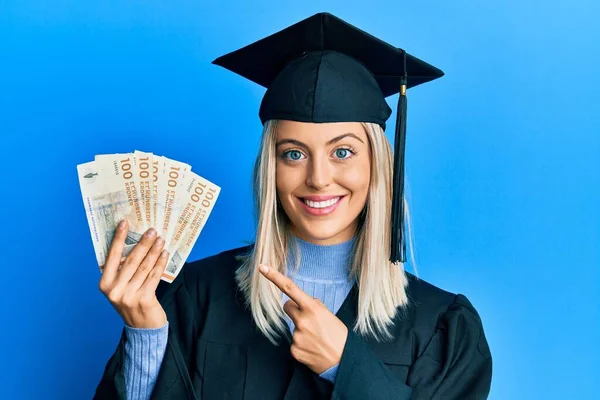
(343, 153)
(293, 155)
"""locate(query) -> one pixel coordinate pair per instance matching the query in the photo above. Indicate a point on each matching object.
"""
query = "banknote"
(122, 198)
(143, 162)
(158, 212)
(198, 199)
(170, 194)
(92, 187)
(147, 190)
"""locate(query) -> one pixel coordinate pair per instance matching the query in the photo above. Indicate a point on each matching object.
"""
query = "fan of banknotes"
(148, 191)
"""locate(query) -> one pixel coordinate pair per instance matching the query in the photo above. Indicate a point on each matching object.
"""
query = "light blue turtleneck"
(322, 273)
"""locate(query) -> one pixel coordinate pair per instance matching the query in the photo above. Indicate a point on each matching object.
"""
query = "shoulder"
(426, 297)
(432, 309)
(430, 299)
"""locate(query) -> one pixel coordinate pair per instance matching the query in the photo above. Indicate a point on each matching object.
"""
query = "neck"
(344, 236)
(329, 262)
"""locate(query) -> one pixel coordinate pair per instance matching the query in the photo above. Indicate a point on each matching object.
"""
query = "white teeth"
(321, 204)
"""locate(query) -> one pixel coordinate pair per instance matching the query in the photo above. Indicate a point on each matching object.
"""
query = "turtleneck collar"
(321, 262)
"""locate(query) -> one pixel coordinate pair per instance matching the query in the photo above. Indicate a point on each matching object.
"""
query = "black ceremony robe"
(215, 352)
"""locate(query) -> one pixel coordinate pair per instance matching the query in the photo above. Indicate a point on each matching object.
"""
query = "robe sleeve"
(174, 381)
(455, 364)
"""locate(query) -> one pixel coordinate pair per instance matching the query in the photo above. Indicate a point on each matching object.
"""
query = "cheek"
(357, 180)
(286, 180)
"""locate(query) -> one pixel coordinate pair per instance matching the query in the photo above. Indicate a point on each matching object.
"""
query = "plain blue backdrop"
(502, 161)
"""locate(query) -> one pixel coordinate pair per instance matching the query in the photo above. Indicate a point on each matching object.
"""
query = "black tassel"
(398, 240)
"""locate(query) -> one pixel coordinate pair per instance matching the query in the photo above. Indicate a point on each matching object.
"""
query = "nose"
(319, 174)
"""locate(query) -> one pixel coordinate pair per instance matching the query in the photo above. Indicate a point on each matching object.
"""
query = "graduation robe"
(215, 352)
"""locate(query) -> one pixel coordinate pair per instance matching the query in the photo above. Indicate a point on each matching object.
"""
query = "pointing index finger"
(286, 285)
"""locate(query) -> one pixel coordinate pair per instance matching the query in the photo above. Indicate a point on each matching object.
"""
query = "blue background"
(502, 165)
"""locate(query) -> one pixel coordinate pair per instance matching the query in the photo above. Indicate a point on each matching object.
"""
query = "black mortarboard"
(323, 69)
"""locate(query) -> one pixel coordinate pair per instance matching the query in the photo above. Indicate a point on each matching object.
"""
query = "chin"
(324, 233)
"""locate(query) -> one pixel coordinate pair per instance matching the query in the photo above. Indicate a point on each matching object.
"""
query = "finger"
(319, 302)
(146, 265)
(287, 286)
(296, 352)
(153, 278)
(136, 256)
(110, 268)
(291, 308)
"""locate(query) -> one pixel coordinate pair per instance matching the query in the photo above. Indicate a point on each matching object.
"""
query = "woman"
(314, 309)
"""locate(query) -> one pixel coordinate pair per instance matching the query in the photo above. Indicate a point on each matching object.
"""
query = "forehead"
(316, 133)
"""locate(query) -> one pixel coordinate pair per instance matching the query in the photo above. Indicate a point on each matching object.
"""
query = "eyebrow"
(334, 140)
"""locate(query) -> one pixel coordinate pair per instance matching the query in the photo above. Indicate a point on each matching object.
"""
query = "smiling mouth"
(322, 204)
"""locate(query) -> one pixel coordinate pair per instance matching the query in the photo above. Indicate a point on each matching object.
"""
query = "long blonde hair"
(381, 284)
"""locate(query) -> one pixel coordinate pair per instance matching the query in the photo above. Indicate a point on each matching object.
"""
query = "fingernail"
(164, 254)
(263, 268)
(122, 224)
(160, 241)
(151, 232)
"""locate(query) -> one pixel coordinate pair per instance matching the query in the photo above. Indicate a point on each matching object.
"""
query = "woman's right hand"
(131, 289)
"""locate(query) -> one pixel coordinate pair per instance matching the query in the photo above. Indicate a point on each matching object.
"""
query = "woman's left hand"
(320, 336)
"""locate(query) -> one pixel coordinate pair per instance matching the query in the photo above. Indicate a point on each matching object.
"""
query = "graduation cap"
(322, 69)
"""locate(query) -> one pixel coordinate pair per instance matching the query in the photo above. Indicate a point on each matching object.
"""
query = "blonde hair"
(381, 283)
